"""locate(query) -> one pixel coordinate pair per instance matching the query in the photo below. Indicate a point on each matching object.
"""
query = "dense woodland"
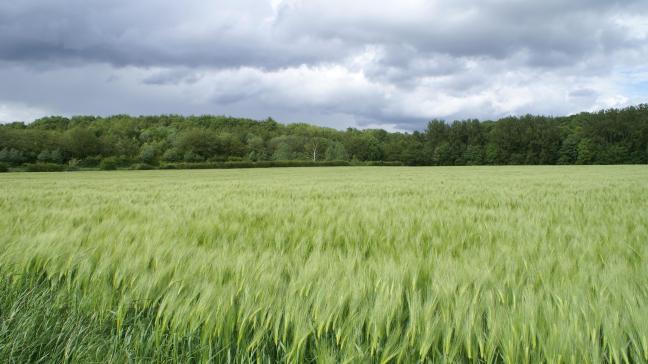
(612, 136)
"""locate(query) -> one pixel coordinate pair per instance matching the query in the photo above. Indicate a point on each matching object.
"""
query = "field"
(343, 264)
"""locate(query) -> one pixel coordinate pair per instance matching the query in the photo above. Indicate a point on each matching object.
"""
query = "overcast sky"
(362, 63)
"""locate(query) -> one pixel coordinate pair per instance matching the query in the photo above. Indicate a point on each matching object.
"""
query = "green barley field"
(346, 264)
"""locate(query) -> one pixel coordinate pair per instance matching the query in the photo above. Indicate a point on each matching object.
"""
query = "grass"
(353, 264)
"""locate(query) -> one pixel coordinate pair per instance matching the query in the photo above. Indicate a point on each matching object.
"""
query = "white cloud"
(11, 111)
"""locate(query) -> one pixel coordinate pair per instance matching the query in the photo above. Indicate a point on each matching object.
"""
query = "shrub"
(250, 164)
(172, 155)
(44, 167)
(142, 166)
(108, 164)
(238, 164)
(12, 156)
(4, 167)
(90, 162)
(384, 163)
(147, 154)
(73, 165)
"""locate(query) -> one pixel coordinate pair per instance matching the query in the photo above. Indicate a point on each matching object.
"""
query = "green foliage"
(12, 156)
(569, 150)
(284, 152)
(73, 164)
(172, 155)
(336, 152)
(442, 155)
(148, 154)
(190, 157)
(383, 163)
(258, 164)
(361, 265)
(54, 156)
(109, 164)
(44, 156)
(82, 142)
(585, 152)
(257, 148)
(492, 154)
(92, 162)
(142, 166)
(615, 136)
(473, 155)
(4, 167)
(44, 167)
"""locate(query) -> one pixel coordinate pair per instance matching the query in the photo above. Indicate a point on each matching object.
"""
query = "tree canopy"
(611, 136)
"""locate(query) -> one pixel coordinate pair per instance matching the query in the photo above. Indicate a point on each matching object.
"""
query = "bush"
(384, 163)
(249, 164)
(89, 162)
(73, 164)
(108, 164)
(4, 167)
(239, 164)
(12, 156)
(44, 167)
(142, 166)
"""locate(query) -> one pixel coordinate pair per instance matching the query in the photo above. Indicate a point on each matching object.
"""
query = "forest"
(613, 136)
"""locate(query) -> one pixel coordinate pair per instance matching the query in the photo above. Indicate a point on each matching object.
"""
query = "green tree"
(190, 157)
(491, 154)
(12, 156)
(44, 156)
(585, 152)
(56, 156)
(314, 147)
(473, 155)
(108, 164)
(203, 143)
(336, 152)
(148, 154)
(256, 147)
(442, 155)
(82, 142)
(569, 150)
(172, 155)
(284, 152)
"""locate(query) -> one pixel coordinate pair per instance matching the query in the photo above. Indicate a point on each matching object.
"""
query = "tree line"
(614, 136)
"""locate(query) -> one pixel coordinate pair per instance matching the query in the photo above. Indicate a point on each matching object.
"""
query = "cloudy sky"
(363, 63)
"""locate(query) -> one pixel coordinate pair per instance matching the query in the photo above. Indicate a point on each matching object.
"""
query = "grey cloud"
(583, 92)
(143, 33)
(172, 77)
(231, 34)
(449, 59)
(566, 31)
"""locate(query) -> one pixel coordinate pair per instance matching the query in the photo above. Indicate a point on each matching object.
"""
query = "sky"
(362, 63)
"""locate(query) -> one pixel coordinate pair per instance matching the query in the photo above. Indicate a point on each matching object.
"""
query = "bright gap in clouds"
(364, 64)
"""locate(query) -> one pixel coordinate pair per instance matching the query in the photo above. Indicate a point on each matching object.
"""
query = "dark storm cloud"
(143, 33)
(552, 33)
(373, 63)
(220, 34)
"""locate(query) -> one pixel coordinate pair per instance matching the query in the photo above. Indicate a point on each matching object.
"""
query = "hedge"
(248, 164)
(44, 167)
